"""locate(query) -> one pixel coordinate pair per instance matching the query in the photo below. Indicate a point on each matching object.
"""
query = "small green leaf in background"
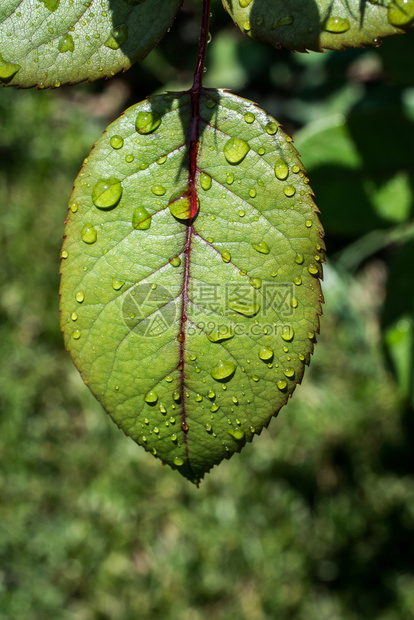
(190, 305)
(58, 42)
(322, 24)
(362, 166)
(398, 319)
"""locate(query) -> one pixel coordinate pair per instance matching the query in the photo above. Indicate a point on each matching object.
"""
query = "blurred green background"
(313, 520)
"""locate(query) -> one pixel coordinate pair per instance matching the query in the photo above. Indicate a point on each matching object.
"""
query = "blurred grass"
(313, 521)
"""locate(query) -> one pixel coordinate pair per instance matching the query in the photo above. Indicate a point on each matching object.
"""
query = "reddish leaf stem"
(193, 138)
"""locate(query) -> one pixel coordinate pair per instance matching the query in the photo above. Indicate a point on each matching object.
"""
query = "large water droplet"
(400, 12)
(281, 169)
(223, 370)
(52, 5)
(161, 160)
(261, 247)
(255, 282)
(235, 150)
(66, 44)
(221, 333)
(79, 297)
(151, 397)
(244, 3)
(147, 122)
(158, 190)
(249, 117)
(89, 234)
(271, 128)
(178, 461)
(226, 256)
(107, 193)
(76, 334)
(289, 191)
(237, 433)
(265, 353)
(117, 37)
(281, 384)
(336, 25)
(246, 308)
(287, 333)
(175, 261)
(117, 142)
(117, 284)
(182, 205)
(7, 69)
(141, 219)
(286, 20)
(205, 181)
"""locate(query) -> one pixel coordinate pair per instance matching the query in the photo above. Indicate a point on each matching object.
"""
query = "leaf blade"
(195, 322)
(319, 24)
(57, 44)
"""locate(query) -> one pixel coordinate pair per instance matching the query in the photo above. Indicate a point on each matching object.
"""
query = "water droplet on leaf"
(223, 370)
(175, 261)
(141, 219)
(261, 247)
(281, 169)
(235, 150)
(107, 193)
(289, 191)
(117, 142)
(205, 181)
(151, 397)
(7, 69)
(117, 37)
(336, 25)
(245, 308)
(117, 284)
(271, 128)
(287, 333)
(89, 234)
(265, 353)
(237, 433)
(66, 44)
(400, 12)
(158, 190)
(147, 122)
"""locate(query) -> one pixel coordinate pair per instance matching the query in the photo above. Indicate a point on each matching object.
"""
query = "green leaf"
(193, 311)
(358, 188)
(310, 25)
(58, 42)
(398, 319)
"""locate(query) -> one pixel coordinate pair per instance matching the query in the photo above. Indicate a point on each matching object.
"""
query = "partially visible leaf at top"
(321, 24)
(54, 42)
(190, 293)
